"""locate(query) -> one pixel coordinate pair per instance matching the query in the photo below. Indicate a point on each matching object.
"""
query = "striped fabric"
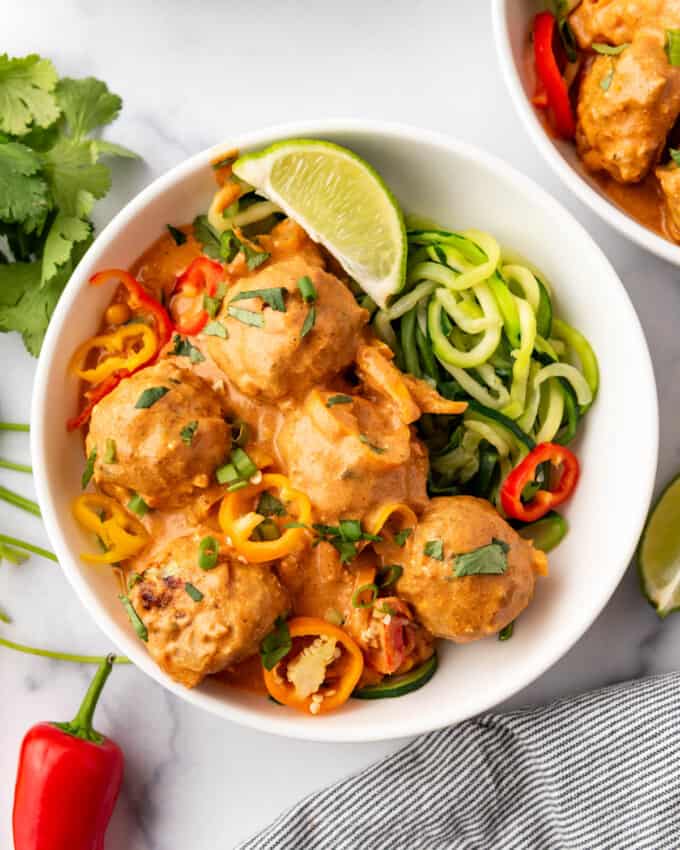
(596, 771)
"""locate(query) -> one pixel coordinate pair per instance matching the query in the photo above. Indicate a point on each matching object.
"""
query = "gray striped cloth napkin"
(596, 771)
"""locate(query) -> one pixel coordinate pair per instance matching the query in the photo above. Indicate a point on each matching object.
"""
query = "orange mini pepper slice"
(130, 346)
(122, 534)
(238, 519)
(341, 676)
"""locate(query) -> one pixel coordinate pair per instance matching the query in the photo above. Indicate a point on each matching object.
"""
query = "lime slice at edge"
(341, 202)
(659, 552)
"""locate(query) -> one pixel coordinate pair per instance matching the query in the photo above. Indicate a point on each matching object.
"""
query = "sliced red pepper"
(94, 398)
(550, 77)
(139, 297)
(525, 472)
(200, 278)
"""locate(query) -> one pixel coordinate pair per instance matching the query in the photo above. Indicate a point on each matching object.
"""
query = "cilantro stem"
(29, 547)
(60, 656)
(14, 426)
(19, 501)
(17, 467)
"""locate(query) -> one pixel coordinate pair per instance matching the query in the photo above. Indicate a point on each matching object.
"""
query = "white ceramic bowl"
(512, 25)
(459, 187)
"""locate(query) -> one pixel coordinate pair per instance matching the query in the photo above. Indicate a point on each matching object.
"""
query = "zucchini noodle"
(478, 323)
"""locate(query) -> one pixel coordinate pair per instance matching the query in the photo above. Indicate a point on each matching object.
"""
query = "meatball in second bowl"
(137, 435)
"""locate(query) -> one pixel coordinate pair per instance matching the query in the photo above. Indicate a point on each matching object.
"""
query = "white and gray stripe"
(596, 771)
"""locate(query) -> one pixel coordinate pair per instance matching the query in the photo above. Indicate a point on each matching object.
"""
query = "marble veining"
(192, 74)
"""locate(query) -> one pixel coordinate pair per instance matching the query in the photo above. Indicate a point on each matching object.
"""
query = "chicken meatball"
(201, 621)
(473, 606)
(352, 454)
(615, 21)
(627, 106)
(281, 355)
(669, 180)
(160, 433)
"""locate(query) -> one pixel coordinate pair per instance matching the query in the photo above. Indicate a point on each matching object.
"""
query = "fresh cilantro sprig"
(50, 178)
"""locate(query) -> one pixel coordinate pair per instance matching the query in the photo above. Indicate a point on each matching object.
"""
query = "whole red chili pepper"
(525, 472)
(550, 77)
(68, 780)
(200, 278)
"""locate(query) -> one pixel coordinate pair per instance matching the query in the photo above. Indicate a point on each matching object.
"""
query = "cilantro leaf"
(207, 236)
(26, 94)
(104, 148)
(273, 297)
(24, 306)
(434, 549)
(74, 176)
(24, 194)
(65, 231)
(276, 645)
(485, 560)
(87, 104)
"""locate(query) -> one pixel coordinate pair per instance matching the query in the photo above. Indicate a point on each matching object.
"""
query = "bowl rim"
(402, 725)
(606, 209)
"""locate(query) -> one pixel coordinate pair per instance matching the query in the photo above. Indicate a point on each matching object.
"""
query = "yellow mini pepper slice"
(122, 534)
(130, 346)
(238, 519)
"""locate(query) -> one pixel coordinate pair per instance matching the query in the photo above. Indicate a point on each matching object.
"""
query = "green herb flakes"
(88, 472)
(135, 619)
(187, 433)
(150, 396)
(276, 645)
(308, 324)
(273, 297)
(339, 399)
(247, 317)
(193, 591)
(216, 329)
(486, 560)
(434, 549)
(183, 348)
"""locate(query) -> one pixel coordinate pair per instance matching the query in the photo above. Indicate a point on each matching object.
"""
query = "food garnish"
(490, 559)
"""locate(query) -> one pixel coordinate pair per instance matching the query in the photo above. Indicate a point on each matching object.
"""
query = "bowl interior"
(512, 26)
(460, 188)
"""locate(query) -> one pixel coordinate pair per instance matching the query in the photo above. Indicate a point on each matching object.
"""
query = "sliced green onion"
(507, 632)
(339, 399)
(110, 453)
(309, 322)
(193, 591)
(208, 553)
(389, 575)
(137, 505)
(227, 474)
(135, 619)
(243, 463)
(88, 472)
(237, 485)
(358, 602)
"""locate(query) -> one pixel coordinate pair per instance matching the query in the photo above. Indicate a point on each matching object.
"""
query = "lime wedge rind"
(659, 552)
(341, 202)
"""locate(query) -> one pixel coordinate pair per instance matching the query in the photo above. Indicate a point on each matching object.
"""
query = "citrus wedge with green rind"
(341, 202)
(659, 552)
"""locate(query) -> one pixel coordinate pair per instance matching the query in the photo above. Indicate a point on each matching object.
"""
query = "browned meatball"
(626, 108)
(276, 360)
(217, 620)
(349, 457)
(615, 21)
(152, 453)
(669, 180)
(473, 606)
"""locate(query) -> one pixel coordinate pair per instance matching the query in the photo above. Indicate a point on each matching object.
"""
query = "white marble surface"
(191, 74)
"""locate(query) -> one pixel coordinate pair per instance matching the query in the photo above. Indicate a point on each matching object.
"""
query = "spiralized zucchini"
(479, 322)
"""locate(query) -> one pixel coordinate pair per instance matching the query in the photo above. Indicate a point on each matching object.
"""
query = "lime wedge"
(659, 553)
(341, 202)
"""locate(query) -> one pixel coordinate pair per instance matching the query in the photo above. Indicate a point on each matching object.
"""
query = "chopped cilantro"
(273, 297)
(248, 317)
(339, 399)
(434, 549)
(187, 433)
(216, 329)
(183, 348)
(485, 560)
(150, 396)
(178, 236)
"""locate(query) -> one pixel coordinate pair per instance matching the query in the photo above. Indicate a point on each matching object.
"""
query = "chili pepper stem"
(13, 426)
(81, 725)
(59, 656)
